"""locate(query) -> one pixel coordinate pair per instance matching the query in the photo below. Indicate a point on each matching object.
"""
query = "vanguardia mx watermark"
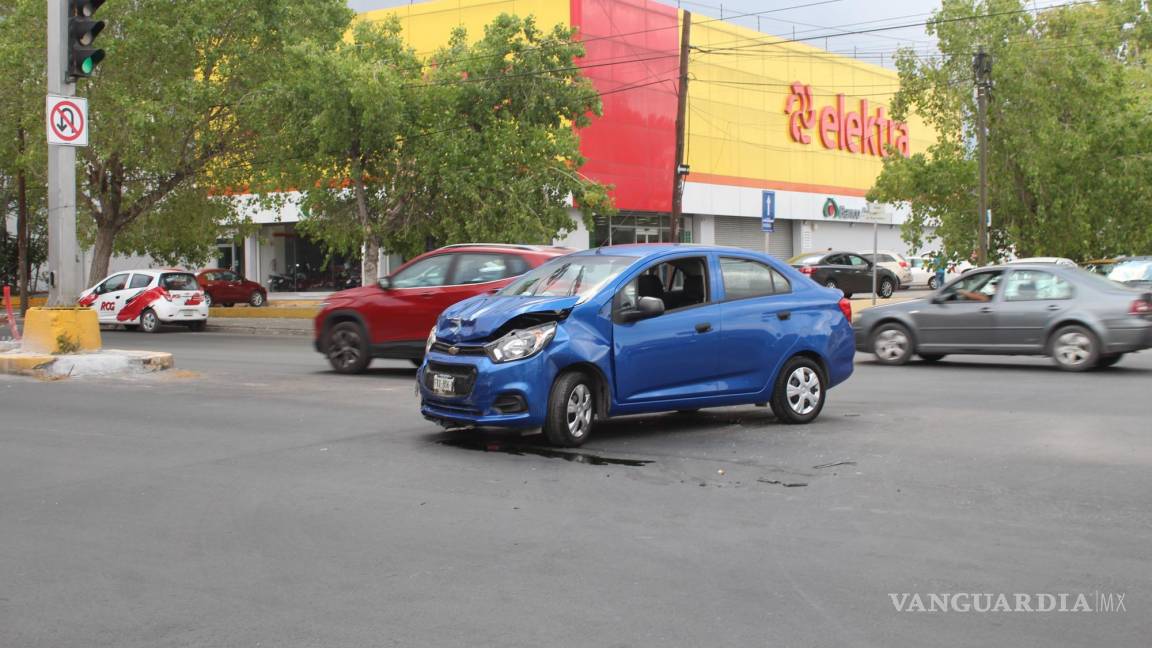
(985, 602)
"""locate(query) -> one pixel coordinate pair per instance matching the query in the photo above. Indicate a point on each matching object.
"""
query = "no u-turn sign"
(67, 121)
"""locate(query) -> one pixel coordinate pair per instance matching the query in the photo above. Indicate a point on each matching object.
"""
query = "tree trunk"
(369, 265)
(22, 230)
(101, 252)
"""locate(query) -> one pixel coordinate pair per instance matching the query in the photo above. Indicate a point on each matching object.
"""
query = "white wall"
(577, 239)
(855, 237)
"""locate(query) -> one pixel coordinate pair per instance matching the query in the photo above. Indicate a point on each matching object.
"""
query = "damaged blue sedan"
(636, 329)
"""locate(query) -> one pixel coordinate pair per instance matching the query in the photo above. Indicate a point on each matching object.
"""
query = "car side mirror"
(646, 307)
(385, 283)
(938, 298)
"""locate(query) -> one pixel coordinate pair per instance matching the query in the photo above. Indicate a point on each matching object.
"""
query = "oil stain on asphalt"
(485, 445)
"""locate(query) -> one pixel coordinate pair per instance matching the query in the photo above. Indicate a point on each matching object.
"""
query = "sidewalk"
(261, 325)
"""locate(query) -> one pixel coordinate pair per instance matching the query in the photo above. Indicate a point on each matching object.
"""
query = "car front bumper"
(487, 394)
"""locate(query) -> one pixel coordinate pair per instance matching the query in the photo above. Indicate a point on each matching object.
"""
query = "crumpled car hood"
(478, 318)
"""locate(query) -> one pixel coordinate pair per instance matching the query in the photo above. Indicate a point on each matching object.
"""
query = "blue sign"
(768, 211)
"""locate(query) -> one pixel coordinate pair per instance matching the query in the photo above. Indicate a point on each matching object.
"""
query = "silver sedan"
(1079, 319)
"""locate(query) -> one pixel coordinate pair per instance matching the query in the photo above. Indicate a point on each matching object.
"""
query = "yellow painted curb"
(24, 363)
(61, 330)
(264, 313)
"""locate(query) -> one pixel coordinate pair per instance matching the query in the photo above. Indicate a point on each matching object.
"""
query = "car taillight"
(846, 308)
(805, 269)
(1140, 307)
(195, 299)
(903, 264)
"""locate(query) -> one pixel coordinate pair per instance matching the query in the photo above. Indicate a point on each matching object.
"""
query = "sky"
(821, 21)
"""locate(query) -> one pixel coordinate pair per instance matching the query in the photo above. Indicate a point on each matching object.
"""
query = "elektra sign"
(864, 132)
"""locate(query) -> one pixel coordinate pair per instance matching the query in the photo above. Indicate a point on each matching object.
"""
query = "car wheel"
(1109, 360)
(149, 323)
(892, 344)
(798, 395)
(887, 287)
(831, 283)
(571, 410)
(208, 299)
(415, 362)
(931, 357)
(347, 348)
(256, 299)
(226, 304)
(198, 327)
(1074, 348)
(933, 283)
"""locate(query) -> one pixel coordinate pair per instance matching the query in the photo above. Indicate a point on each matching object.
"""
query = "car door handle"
(986, 309)
(1053, 307)
(703, 327)
(783, 315)
(427, 295)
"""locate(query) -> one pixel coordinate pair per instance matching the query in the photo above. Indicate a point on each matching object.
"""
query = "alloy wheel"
(1073, 348)
(891, 344)
(344, 348)
(579, 414)
(257, 299)
(803, 390)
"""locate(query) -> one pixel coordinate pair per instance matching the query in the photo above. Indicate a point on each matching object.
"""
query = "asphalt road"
(252, 498)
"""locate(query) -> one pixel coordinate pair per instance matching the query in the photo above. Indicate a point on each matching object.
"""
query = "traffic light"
(82, 32)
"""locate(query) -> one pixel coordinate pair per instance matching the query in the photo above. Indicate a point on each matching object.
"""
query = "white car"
(895, 262)
(145, 299)
(1057, 260)
(923, 275)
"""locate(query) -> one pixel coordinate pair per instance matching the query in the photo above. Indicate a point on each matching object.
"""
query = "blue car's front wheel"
(571, 410)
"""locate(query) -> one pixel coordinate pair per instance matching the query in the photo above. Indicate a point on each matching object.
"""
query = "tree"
(474, 143)
(175, 112)
(1068, 130)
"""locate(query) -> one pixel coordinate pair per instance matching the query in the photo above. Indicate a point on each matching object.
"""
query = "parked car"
(1079, 319)
(895, 262)
(1101, 266)
(225, 288)
(847, 271)
(391, 319)
(924, 277)
(145, 299)
(634, 329)
(1056, 260)
(1134, 272)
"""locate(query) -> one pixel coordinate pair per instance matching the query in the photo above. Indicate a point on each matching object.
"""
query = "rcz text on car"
(634, 329)
(391, 319)
(145, 299)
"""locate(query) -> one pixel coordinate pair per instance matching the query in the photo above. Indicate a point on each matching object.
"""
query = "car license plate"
(187, 313)
(442, 384)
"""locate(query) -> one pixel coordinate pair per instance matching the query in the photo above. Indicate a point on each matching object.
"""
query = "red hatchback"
(392, 319)
(224, 288)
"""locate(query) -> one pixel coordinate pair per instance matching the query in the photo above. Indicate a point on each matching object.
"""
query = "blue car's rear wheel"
(799, 392)
(571, 410)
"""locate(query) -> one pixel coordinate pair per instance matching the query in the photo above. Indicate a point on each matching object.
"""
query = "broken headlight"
(521, 343)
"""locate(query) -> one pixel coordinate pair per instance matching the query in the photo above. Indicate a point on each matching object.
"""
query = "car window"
(1132, 270)
(745, 278)
(856, 260)
(227, 276)
(680, 283)
(179, 281)
(569, 275)
(974, 287)
(208, 276)
(140, 281)
(115, 282)
(835, 259)
(429, 271)
(482, 268)
(1031, 285)
(916, 263)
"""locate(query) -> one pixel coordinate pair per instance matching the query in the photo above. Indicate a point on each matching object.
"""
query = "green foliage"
(475, 143)
(1068, 130)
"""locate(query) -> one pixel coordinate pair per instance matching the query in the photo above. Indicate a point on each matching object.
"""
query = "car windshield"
(569, 275)
(805, 259)
(179, 281)
(1134, 270)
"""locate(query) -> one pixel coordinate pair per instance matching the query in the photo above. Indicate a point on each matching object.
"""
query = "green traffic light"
(88, 65)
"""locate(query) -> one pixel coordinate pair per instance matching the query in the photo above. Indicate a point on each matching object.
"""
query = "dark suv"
(392, 319)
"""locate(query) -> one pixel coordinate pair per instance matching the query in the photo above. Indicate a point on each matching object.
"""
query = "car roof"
(551, 250)
(649, 249)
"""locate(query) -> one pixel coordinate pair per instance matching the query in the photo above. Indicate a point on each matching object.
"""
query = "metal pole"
(875, 257)
(681, 108)
(982, 65)
(63, 251)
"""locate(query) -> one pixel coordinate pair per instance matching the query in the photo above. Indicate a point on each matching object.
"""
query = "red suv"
(392, 319)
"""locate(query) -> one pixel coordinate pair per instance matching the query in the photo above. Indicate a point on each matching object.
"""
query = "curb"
(101, 363)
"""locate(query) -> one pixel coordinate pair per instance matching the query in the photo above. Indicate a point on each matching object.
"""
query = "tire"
(931, 357)
(1074, 348)
(346, 347)
(892, 344)
(831, 283)
(198, 327)
(257, 299)
(208, 298)
(847, 295)
(887, 287)
(149, 323)
(799, 392)
(571, 410)
(227, 304)
(933, 283)
(1108, 360)
(416, 363)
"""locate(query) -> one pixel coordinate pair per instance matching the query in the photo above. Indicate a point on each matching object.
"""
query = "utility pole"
(982, 70)
(681, 169)
(63, 251)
